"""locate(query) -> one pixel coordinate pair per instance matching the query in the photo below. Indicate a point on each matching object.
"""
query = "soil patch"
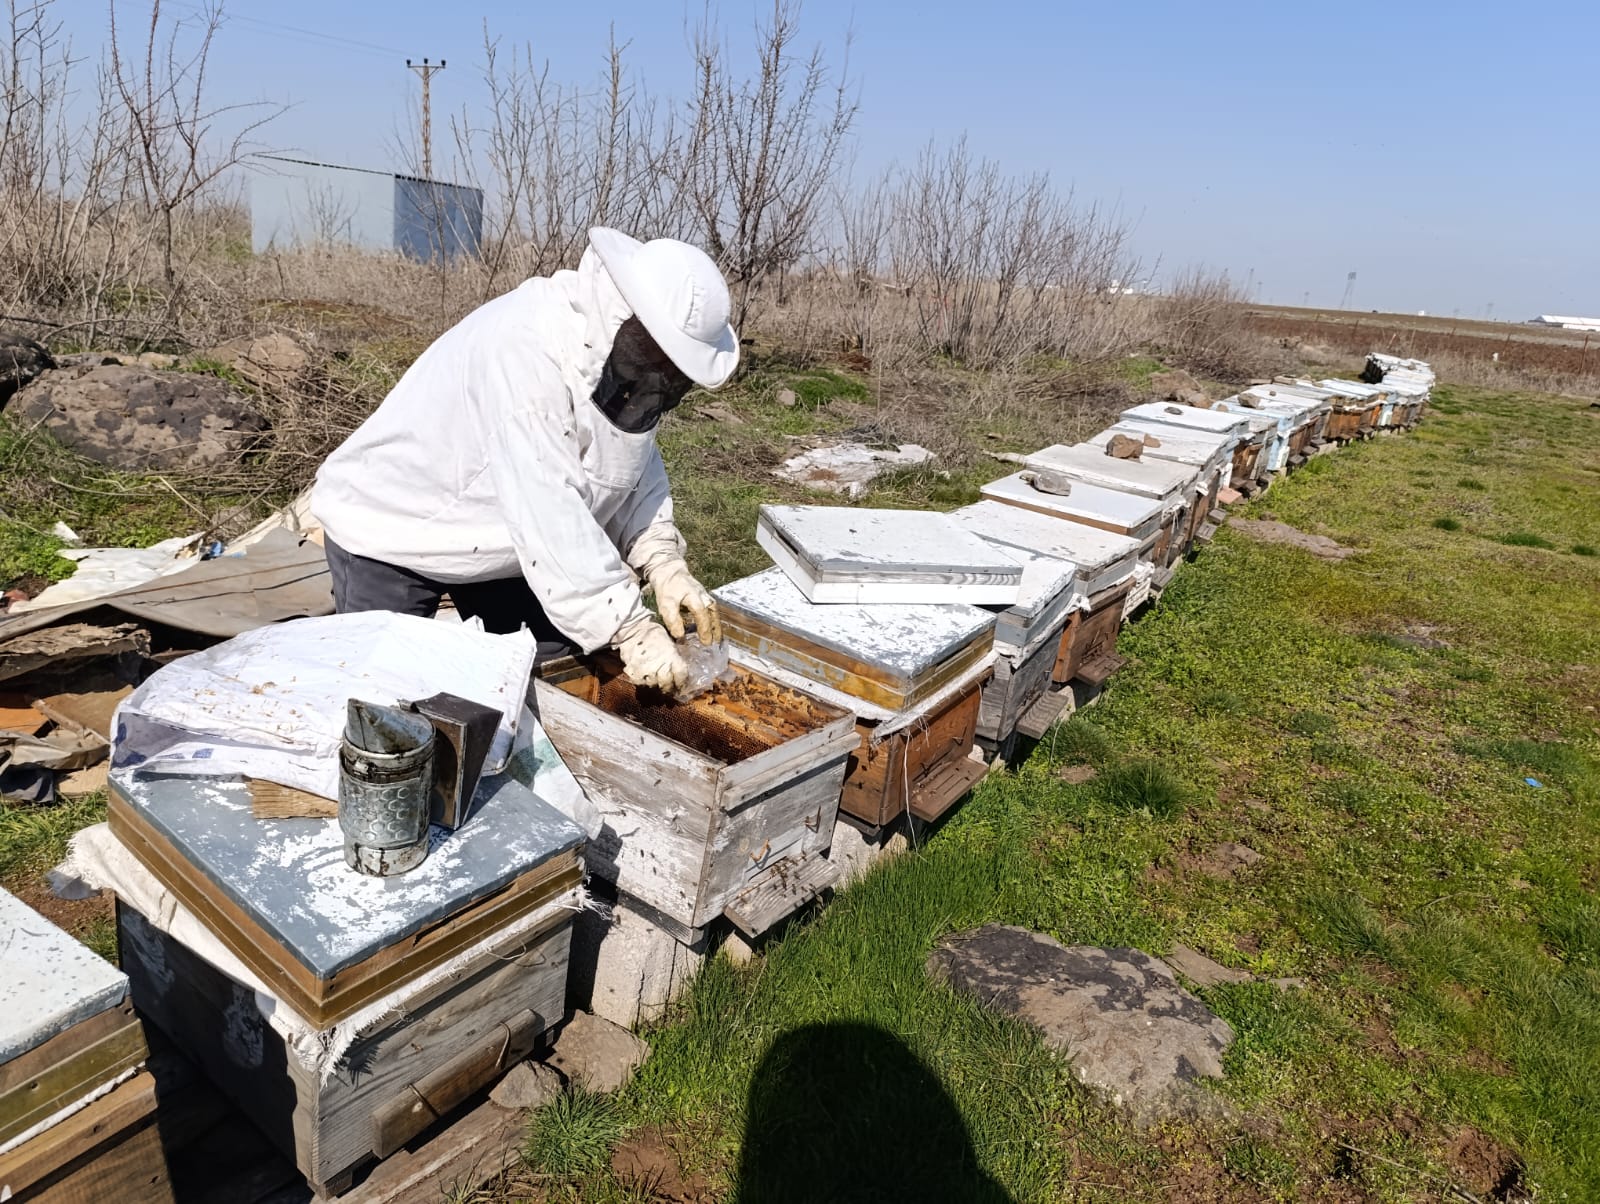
(648, 1163)
(1269, 531)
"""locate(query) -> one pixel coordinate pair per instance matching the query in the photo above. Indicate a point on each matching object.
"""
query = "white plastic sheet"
(270, 704)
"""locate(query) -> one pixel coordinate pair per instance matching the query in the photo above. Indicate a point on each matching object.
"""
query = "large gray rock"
(1119, 1014)
(134, 418)
(21, 361)
(268, 361)
(597, 1054)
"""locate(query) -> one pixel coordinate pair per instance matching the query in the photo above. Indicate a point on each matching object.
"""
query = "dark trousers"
(505, 605)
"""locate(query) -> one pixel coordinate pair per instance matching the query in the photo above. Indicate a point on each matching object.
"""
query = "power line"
(294, 32)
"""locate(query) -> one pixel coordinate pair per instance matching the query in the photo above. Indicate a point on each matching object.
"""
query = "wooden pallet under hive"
(720, 806)
(891, 664)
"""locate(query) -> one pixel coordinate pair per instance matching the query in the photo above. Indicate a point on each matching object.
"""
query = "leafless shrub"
(1201, 323)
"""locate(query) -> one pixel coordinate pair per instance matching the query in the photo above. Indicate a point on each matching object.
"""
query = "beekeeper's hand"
(676, 592)
(650, 658)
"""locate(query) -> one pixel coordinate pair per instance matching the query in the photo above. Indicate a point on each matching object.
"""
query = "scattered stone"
(22, 361)
(1291, 984)
(1177, 385)
(1151, 441)
(597, 1054)
(1077, 775)
(787, 398)
(1228, 496)
(268, 361)
(1120, 1014)
(134, 418)
(1229, 858)
(1200, 969)
(527, 1085)
(1046, 481)
(1267, 531)
(1123, 448)
(158, 360)
(717, 412)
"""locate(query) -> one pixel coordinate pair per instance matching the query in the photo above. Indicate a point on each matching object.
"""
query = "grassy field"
(1373, 728)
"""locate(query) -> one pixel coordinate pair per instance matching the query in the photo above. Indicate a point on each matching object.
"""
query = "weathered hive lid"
(49, 981)
(1283, 421)
(1164, 480)
(1267, 396)
(1171, 414)
(290, 878)
(887, 653)
(1204, 450)
(1103, 559)
(1357, 388)
(1300, 387)
(839, 554)
(1048, 590)
(1409, 384)
(1109, 509)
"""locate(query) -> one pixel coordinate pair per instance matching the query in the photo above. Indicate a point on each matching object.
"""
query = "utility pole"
(426, 69)
(1349, 291)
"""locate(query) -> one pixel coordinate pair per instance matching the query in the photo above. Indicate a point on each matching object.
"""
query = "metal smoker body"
(385, 788)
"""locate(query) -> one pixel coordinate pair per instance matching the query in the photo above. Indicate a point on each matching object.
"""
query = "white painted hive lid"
(48, 981)
(1172, 414)
(1194, 445)
(1091, 502)
(1090, 464)
(1281, 395)
(843, 544)
(908, 639)
(1092, 550)
(1280, 420)
(1358, 388)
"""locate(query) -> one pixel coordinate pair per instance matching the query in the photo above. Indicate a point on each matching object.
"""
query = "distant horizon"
(1427, 149)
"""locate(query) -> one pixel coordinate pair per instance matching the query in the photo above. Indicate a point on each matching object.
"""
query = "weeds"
(1348, 924)
(573, 1134)
(1447, 524)
(1079, 742)
(1145, 786)
(1583, 549)
(1526, 539)
(32, 839)
(1472, 483)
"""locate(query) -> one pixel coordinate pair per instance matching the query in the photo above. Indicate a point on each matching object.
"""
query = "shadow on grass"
(845, 1111)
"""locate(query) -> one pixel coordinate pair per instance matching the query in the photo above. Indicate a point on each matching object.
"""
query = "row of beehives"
(868, 691)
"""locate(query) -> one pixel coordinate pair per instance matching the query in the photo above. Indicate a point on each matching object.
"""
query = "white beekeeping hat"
(681, 298)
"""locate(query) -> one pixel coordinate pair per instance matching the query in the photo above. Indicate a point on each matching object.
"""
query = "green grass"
(32, 839)
(1447, 524)
(1443, 913)
(1526, 539)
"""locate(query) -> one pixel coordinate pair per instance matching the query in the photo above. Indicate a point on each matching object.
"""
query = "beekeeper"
(515, 468)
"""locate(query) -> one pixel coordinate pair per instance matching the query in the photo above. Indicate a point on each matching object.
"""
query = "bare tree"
(761, 152)
(173, 128)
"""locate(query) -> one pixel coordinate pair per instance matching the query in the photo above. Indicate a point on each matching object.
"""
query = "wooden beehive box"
(1126, 514)
(1380, 402)
(1026, 640)
(1307, 416)
(1105, 565)
(323, 938)
(1312, 401)
(440, 1044)
(1277, 425)
(842, 554)
(76, 1112)
(721, 806)
(1171, 484)
(1251, 440)
(890, 664)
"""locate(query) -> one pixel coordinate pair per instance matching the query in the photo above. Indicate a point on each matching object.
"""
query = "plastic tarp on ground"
(270, 704)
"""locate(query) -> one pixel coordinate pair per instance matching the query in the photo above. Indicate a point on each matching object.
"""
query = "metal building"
(295, 202)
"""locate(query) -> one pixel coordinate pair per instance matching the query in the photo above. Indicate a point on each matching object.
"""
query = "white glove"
(650, 658)
(677, 591)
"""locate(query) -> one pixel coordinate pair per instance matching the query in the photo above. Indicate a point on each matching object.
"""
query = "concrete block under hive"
(332, 950)
(912, 675)
(720, 806)
(841, 554)
(1105, 566)
(1175, 485)
(77, 1111)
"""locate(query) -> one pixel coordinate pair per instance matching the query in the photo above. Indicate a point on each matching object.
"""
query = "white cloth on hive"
(271, 704)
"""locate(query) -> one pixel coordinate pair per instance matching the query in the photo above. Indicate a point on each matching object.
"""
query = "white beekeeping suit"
(519, 442)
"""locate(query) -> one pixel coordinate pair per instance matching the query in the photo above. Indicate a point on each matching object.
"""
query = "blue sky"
(1449, 153)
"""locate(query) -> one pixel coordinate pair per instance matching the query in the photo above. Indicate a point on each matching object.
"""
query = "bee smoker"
(385, 788)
